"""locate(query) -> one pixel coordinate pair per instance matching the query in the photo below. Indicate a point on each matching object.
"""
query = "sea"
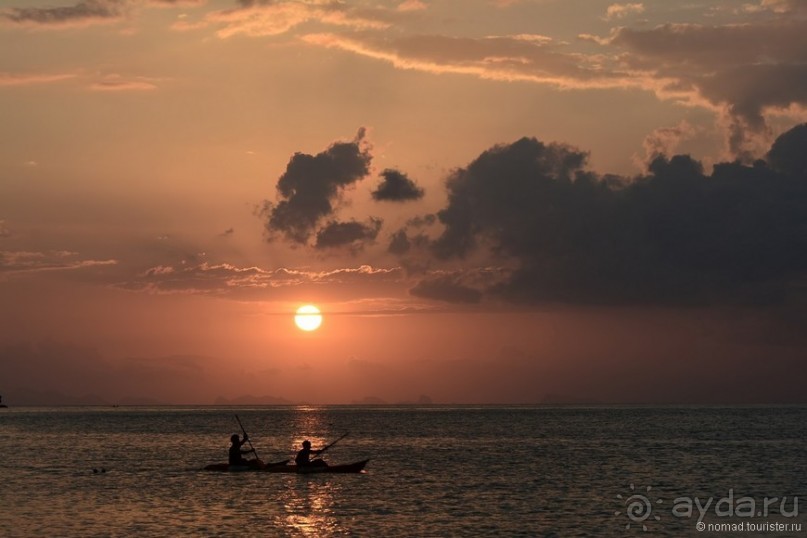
(434, 471)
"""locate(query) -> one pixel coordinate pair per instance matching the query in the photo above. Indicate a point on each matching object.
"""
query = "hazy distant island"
(52, 398)
(566, 399)
(423, 399)
(48, 398)
(253, 400)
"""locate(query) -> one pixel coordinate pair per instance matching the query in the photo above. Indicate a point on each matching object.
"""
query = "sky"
(490, 201)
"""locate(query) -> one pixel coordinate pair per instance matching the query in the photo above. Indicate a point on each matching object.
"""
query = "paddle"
(326, 447)
(248, 440)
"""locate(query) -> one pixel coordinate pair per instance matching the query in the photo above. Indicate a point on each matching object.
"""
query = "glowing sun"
(308, 318)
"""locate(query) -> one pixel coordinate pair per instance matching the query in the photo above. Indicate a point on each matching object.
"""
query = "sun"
(308, 318)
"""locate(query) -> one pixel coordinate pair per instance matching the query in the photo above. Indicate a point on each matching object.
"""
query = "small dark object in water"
(96, 471)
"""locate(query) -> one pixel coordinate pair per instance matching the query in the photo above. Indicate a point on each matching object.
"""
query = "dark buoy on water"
(98, 471)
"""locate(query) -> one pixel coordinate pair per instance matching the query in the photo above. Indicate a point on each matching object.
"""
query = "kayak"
(355, 467)
(226, 467)
(282, 467)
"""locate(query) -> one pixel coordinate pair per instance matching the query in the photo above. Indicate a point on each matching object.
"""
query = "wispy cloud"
(15, 262)
(83, 13)
(619, 11)
(493, 58)
(174, 3)
(118, 83)
(741, 72)
(665, 140)
(721, 68)
(412, 5)
(776, 6)
(27, 79)
(265, 18)
(227, 279)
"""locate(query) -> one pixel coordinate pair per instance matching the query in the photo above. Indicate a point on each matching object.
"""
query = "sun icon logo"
(638, 507)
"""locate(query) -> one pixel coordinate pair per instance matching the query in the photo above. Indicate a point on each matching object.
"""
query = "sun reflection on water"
(309, 500)
(309, 507)
(309, 423)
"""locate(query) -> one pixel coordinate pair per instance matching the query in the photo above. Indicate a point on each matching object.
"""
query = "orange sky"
(480, 195)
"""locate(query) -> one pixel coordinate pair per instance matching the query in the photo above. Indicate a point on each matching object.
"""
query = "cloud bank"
(673, 236)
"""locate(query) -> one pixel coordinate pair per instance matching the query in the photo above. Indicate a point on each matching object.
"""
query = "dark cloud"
(512, 188)
(448, 288)
(83, 12)
(421, 221)
(351, 234)
(396, 187)
(665, 140)
(676, 235)
(310, 186)
(401, 242)
(742, 68)
(789, 153)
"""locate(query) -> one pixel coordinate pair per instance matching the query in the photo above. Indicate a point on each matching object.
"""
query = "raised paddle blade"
(248, 439)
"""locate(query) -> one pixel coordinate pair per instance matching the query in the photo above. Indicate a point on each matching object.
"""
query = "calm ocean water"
(435, 471)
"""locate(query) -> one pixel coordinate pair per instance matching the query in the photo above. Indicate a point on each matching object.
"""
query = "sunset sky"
(489, 200)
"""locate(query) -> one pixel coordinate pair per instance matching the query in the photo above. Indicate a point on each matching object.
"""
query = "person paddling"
(236, 451)
(303, 458)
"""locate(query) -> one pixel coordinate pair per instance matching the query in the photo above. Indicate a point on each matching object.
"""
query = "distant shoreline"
(445, 406)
